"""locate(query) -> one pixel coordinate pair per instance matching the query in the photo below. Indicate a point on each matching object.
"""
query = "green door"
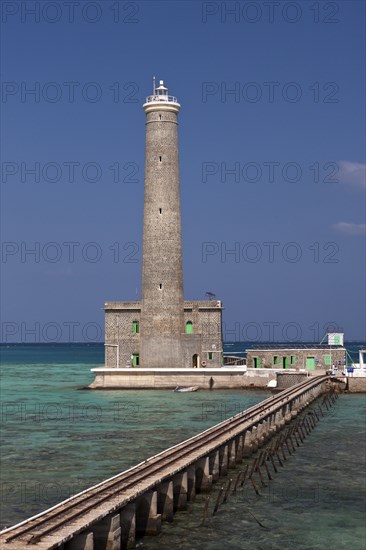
(189, 327)
(256, 362)
(310, 363)
(285, 364)
(135, 360)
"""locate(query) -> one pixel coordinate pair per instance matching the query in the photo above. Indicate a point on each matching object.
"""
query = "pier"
(135, 503)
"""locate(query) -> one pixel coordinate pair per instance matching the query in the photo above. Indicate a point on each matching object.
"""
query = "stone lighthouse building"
(162, 308)
(162, 331)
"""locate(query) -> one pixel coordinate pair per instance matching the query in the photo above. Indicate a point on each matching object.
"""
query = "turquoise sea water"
(58, 439)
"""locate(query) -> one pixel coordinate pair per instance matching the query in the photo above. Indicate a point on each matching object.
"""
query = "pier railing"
(234, 360)
(162, 98)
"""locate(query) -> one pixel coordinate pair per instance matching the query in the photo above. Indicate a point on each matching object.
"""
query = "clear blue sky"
(292, 130)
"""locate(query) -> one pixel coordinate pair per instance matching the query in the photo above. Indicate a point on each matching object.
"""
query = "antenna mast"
(153, 85)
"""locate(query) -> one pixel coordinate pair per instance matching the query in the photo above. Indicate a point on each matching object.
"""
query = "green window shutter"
(293, 360)
(135, 327)
(135, 360)
(326, 359)
(275, 359)
(210, 355)
(189, 327)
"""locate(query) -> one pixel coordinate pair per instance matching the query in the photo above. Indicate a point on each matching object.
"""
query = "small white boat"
(185, 388)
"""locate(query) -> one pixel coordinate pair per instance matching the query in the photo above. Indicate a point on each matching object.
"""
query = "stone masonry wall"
(118, 331)
(206, 321)
(357, 384)
(206, 337)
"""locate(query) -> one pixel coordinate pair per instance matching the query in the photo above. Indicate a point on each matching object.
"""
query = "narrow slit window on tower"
(160, 117)
(159, 159)
(160, 286)
(160, 210)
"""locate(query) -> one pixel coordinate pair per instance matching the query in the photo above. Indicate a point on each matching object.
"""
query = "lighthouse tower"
(162, 307)
(162, 331)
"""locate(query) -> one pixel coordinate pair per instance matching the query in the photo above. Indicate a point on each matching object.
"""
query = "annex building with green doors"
(304, 356)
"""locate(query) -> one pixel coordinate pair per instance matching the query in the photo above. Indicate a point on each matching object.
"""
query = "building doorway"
(310, 363)
(195, 361)
(285, 362)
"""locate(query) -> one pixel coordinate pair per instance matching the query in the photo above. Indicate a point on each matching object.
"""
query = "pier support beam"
(288, 416)
(280, 422)
(223, 459)
(148, 521)
(215, 465)
(180, 489)
(191, 483)
(239, 448)
(247, 451)
(266, 430)
(165, 501)
(84, 541)
(203, 477)
(272, 425)
(260, 434)
(107, 533)
(283, 417)
(254, 439)
(232, 454)
(128, 527)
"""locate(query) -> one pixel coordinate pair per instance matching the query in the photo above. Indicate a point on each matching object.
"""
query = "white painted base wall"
(219, 378)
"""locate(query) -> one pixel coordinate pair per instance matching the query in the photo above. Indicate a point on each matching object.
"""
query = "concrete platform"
(204, 378)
